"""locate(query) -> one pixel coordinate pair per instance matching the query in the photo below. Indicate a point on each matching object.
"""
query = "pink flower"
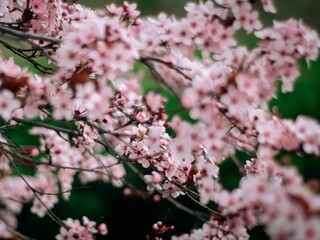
(92, 116)
(254, 166)
(154, 101)
(63, 105)
(102, 228)
(8, 104)
(142, 116)
(4, 7)
(268, 6)
(130, 10)
(113, 9)
(76, 230)
(9, 68)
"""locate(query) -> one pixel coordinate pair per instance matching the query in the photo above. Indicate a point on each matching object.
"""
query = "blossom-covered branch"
(93, 120)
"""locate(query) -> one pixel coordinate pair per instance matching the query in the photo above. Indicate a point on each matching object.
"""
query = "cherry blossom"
(94, 118)
(75, 230)
(8, 104)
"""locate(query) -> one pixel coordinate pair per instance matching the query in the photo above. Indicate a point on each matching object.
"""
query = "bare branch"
(158, 76)
(41, 124)
(25, 35)
(178, 69)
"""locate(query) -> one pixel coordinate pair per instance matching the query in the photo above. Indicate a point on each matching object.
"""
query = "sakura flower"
(102, 228)
(63, 106)
(8, 103)
(142, 116)
(105, 118)
(308, 132)
(9, 68)
(247, 18)
(75, 230)
(268, 6)
(123, 147)
(130, 10)
(4, 7)
(254, 166)
(113, 9)
(170, 189)
(155, 102)
(69, 57)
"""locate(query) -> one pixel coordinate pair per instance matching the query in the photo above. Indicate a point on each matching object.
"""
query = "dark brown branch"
(158, 76)
(25, 35)
(37, 65)
(32, 161)
(199, 215)
(44, 125)
(176, 68)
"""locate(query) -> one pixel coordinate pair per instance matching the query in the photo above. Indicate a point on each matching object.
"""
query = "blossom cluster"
(83, 232)
(92, 117)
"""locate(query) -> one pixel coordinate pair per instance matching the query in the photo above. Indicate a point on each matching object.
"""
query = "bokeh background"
(132, 217)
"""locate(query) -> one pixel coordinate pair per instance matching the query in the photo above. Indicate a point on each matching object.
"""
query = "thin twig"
(204, 206)
(158, 76)
(197, 214)
(50, 213)
(30, 160)
(37, 65)
(168, 64)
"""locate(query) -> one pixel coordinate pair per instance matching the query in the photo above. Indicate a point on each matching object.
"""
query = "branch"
(50, 213)
(24, 35)
(38, 66)
(44, 125)
(168, 64)
(19, 235)
(158, 76)
(199, 215)
(30, 160)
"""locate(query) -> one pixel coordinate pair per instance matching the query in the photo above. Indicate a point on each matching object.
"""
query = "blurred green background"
(132, 217)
